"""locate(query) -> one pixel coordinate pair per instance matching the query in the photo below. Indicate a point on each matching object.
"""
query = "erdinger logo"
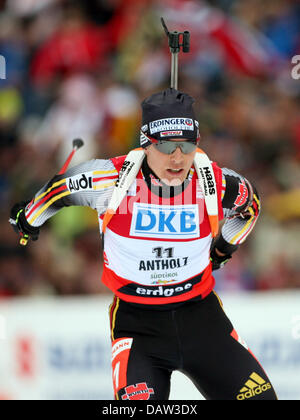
(254, 386)
(161, 291)
(137, 392)
(171, 124)
(164, 291)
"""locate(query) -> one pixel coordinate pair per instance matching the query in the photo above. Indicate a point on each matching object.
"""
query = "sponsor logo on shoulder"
(243, 195)
(80, 182)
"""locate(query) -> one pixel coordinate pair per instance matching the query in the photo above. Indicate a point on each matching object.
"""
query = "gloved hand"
(218, 261)
(20, 224)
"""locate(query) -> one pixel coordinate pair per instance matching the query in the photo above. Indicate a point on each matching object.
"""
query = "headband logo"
(170, 124)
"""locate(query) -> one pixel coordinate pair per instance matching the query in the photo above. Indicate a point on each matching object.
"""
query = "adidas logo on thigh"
(254, 386)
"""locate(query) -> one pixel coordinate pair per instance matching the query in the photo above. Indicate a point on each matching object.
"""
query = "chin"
(173, 182)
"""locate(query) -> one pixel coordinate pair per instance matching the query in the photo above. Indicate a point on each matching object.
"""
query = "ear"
(146, 149)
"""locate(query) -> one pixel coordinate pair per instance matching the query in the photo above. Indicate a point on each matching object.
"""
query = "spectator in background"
(76, 46)
(77, 112)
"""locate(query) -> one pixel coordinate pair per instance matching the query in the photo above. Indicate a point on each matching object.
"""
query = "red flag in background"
(237, 46)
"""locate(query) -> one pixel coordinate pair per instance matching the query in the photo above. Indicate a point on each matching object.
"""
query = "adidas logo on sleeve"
(254, 386)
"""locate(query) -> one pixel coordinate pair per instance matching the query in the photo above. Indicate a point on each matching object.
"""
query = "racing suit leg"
(139, 371)
(216, 359)
(195, 338)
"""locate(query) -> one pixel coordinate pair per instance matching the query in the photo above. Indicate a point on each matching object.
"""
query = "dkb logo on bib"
(164, 221)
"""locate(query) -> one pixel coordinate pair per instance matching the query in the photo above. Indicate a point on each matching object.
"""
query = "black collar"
(157, 186)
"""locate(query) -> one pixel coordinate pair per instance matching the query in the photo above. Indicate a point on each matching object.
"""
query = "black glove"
(20, 224)
(217, 261)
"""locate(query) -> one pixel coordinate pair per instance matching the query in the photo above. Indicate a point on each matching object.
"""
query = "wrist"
(218, 260)
(219, 253)
(25, 227)
(222, 247)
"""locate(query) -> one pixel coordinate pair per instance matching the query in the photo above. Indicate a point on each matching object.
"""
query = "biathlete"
(159, 210)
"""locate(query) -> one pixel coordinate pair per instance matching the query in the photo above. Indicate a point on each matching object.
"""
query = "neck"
(157, 186)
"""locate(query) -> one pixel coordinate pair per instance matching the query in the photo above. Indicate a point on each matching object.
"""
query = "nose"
(177, 155)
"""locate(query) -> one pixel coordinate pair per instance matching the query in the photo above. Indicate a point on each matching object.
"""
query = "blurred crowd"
(82, 68)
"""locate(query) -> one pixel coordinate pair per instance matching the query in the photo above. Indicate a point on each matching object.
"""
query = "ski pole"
(77, 143)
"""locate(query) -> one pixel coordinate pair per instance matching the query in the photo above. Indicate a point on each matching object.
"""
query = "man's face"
(171, 169)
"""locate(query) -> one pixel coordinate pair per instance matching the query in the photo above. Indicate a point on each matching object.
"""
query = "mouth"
(174, 176)
(175, 172)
